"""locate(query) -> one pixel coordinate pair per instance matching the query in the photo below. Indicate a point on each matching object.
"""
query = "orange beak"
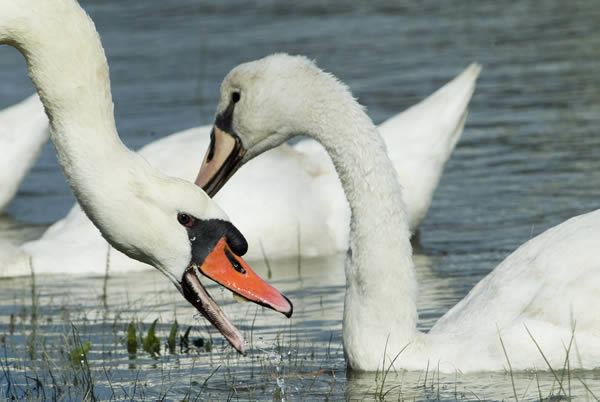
(229, 270)
(232, 272)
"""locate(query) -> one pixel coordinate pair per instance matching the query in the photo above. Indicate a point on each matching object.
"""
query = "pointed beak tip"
(289, 313)
(240, 347)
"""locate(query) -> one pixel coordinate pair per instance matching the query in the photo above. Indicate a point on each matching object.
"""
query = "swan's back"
(522, 291)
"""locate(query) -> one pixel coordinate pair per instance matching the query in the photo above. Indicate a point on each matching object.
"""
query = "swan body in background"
(23, 132)
(292, 200)
(549, 286)
(163, 221)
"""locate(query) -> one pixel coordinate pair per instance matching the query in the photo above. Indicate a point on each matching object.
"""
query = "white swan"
(549, 286)
(292, 190)
(166, 222)
(23, 132)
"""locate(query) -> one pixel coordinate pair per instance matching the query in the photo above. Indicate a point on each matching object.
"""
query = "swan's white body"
(549, 285)
(291, 191)
(23, 132)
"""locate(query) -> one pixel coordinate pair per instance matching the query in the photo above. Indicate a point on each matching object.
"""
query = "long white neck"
(381, 288)
(68, 67)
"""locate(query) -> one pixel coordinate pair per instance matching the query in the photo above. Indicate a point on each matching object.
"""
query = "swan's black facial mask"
(224, 155)
(217, 247)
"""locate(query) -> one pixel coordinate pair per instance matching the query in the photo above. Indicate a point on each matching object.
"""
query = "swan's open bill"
(231, 271)
(217, 247)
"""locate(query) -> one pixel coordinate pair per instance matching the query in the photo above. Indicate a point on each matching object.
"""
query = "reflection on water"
(527, 161)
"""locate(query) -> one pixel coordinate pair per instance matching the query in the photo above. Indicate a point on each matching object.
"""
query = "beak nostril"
(234, 262)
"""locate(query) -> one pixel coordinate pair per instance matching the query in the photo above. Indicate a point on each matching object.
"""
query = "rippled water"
(527, 161)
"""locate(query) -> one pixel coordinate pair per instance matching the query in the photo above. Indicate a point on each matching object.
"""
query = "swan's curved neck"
(380, 299)
(67, 65)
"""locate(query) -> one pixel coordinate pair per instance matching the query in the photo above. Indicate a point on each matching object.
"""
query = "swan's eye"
(185, 220)
(235, 97)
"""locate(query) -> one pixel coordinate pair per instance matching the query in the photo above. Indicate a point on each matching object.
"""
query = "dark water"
(527, 159)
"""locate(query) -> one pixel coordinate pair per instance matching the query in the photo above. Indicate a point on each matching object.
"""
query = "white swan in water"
(163, 221)
(23, 132)
(291, 191)
(549, 286)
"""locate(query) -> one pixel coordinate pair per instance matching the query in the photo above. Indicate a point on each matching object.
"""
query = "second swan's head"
(262, 104)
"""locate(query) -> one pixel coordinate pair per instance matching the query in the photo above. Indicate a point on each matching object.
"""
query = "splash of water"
(275, 360)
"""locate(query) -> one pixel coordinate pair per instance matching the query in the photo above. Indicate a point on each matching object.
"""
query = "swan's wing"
(23, 132)
(421, 139)
(549, 284)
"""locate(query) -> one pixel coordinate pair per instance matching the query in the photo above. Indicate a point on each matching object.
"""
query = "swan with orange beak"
(156, 219)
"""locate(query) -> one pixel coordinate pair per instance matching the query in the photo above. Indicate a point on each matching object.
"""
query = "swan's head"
(263, 104)
(186, 235)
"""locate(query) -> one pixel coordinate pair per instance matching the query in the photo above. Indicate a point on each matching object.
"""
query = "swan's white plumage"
(23, 131)
(289, 191)
(549, 285)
